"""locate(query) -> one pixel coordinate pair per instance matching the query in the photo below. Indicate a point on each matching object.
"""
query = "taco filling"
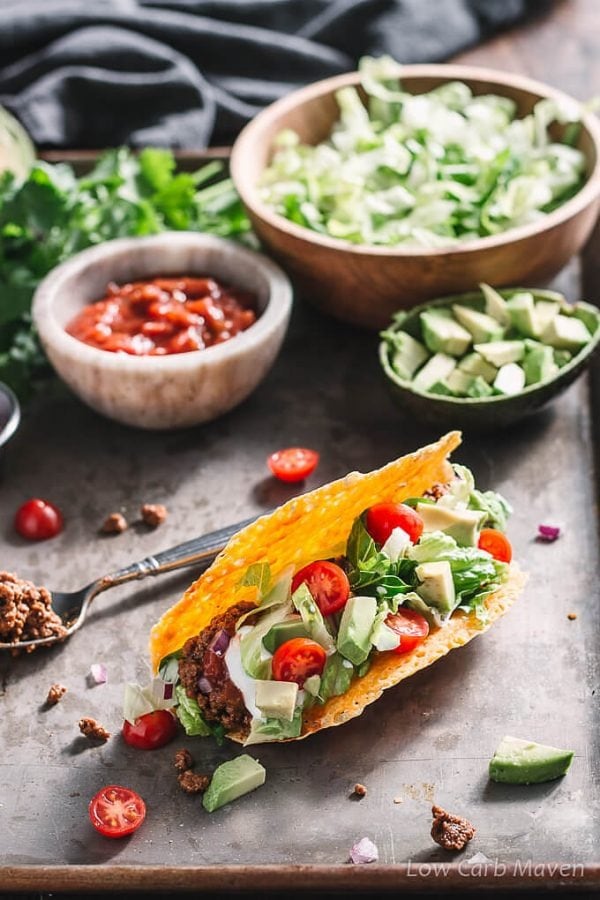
(260, 670)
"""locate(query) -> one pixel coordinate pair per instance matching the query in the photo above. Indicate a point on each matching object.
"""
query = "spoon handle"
(197, 551)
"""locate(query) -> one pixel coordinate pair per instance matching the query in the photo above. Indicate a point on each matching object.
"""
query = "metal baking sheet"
(533, 675)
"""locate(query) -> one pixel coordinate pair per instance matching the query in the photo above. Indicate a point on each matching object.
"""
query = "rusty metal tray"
(534, 674)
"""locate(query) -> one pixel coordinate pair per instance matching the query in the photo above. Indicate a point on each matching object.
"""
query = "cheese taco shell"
(307, 528)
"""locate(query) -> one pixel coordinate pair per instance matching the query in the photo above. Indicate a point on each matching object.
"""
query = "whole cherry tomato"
(151, 731)
(38, 520)
(384, 517)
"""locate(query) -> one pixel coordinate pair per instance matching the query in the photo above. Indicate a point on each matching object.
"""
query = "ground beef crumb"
(26, 612)
(436, 491)
(153, 514)
(572, 616)
(191, 783)
(183, 760)
(450, 832)
(55, 694)
(93, 730)
(115, 523)
(360, 790)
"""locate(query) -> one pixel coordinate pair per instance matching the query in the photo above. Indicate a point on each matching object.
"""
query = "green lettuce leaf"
(265, 730)
(497, 508)
(336, 677)
(190, 716)
(312, 617)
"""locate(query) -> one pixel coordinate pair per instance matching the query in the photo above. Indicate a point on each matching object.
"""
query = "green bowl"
(481, 412)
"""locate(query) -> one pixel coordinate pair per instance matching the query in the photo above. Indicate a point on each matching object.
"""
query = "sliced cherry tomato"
(151, 731)
(298, 659)
(384, 517)
(327, 583)
(116, 811)
(293, 464)
(411, 626)
(496, 543)
(38, 520)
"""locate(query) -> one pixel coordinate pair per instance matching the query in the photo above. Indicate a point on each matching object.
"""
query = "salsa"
(164, 316)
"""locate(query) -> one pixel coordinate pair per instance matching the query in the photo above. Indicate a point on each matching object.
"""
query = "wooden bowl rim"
(243, 148)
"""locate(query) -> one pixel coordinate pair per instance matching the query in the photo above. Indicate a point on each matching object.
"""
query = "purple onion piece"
(548, 533)
(98, 673)
(204, 685)
(168, 691)
(364, 851)
(219, 642)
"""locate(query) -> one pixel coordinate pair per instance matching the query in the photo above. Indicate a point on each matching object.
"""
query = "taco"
(313, 610)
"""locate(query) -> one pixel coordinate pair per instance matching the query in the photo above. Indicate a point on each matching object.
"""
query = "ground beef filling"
(450, 832)
(201, 668)
(26, 612)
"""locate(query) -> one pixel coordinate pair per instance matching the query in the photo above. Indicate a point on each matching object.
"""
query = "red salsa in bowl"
(163, 316)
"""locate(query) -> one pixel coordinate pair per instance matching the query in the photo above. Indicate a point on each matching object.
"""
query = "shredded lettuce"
(371, 572)
(256, 661)
(424, 170)
(336, 677)
(263, 730)
(313, 618)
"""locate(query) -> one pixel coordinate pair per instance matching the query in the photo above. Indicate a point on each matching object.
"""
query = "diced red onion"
(168, 691)
(204, 685)
(219, 642)
(548, 533)
(98, 673)
(364, 851)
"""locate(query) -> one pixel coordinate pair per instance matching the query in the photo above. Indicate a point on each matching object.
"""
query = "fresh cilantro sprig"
(53, 214)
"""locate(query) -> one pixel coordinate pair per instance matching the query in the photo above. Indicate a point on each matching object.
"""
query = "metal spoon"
(73, 607)
(10, 413)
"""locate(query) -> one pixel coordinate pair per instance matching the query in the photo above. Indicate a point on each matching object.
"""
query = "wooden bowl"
(480, 413)
(365, 285)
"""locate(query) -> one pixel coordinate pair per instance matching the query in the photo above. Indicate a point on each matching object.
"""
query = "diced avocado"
(355, 628)
(562, 357)
(539, 364)
(566, 333)
(231, 780)
(499, 353)
(441, 388)
(436, 587)
(521, 309)
(474, 364)
(480, 388)
(284, 631)
(525, 762)
(277, 699)
(483, 328)
(461, 524)
(459, 382)
(407, 355)
(510, 379)
(589, 316)
(495, 305)
(545, 310)
(443, 334)
(436, 369)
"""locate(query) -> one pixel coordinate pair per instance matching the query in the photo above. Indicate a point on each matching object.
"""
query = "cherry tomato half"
(496, 543)
(38, 520)
(327, 583)
(293, 464)
(116, 811)
(384, 517)
(411, 626)
(151, 731)
(298, 659)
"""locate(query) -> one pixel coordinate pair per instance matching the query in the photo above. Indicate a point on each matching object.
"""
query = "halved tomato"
(293, 464)
(298, 659)
(116, 811)
(496, 543)
(410, 626)
(328, 584)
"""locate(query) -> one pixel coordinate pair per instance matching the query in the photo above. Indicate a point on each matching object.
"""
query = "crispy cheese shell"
(299, 532)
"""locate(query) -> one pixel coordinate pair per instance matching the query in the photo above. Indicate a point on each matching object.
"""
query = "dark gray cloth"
(186, 73)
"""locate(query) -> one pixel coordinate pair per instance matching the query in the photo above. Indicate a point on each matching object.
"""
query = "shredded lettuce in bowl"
(426, 170)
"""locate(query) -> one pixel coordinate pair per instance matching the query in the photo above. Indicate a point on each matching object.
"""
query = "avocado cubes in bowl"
(489, 357)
